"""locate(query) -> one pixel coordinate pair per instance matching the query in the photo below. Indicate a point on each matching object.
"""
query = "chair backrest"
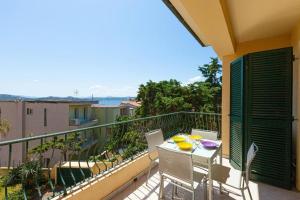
(250, 157)
(206, 134)
(154, 138)
(175, 164)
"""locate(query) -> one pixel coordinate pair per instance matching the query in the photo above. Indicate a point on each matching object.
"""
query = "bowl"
(195, 137)
(209, 144)
(185, 146)
(178, 139)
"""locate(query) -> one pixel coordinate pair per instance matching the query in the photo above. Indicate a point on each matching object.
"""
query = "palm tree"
(4, 127)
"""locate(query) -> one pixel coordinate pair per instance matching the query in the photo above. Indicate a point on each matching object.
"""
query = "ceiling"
(258, 19)
(225, 24)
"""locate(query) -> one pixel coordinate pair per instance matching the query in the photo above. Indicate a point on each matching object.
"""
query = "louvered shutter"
(236, 113)
(269, 114)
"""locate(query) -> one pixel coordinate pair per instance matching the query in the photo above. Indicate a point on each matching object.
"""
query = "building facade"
(259, 45)
(33, 118)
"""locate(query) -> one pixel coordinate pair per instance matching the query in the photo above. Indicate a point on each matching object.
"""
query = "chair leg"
(161, 187)
(243, 193)
(249, 192)
(173, 191)
(149, 171)
(205, 189)
(193, 195)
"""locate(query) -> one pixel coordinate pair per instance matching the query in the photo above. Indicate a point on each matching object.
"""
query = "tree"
(171, 96)
(162, 97)
(4, 127)
(212, 72)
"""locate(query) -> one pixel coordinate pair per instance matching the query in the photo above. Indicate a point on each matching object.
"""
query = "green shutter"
(269, 114)
(236, 113)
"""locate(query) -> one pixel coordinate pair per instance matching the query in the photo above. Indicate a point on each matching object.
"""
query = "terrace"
(260, 103)
(68, 160)
(138, 190)
(113, 166)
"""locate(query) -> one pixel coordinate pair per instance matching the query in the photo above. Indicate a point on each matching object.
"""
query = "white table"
(201, 155)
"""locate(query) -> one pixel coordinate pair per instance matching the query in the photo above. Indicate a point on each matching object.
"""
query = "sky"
(99, 47)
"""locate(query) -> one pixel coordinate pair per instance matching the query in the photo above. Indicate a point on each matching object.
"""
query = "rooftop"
(131, 103)
(104, 106)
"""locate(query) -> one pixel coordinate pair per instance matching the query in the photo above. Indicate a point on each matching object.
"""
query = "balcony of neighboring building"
(81, 116)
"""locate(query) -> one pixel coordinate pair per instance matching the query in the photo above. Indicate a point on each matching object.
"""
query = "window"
(76, 113)
(45, 116)
(29, 111)
(85, 113)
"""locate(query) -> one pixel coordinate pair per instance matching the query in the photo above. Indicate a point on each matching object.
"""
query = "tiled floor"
(139, 191)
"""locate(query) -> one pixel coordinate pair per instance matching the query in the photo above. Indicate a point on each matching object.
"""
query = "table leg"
(210, 182)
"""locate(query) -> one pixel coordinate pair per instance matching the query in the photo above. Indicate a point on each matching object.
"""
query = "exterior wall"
(13, 113)
(57, 118)
(242, 49)
(106, 115)
(103, 187)
(261, 45)
(295, 40)
(26, 125)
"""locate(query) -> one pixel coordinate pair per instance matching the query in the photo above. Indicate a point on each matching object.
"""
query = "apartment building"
(108, 113)
(128, 107)
(37, 117)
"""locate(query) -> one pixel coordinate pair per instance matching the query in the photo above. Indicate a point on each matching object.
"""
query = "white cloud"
(104, 90)
(35, 80)
(194, 79)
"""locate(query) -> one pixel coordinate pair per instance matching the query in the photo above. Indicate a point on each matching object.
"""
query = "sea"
(112, 101)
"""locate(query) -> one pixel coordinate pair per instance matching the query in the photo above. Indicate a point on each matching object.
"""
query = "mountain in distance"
(9, 97)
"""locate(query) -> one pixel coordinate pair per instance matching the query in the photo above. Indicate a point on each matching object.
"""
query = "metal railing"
(49, 165)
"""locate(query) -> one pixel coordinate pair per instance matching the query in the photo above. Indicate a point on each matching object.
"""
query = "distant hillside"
(8, 97)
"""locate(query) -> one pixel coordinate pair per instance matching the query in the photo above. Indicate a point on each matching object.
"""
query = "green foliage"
(212, 72)
(4, 127)
(134, 141)
(16, 195)
(71, 144)
(162, 97)
(171, 96)
(14, 192)
(124, 118)
(125, 136)
(28, 174)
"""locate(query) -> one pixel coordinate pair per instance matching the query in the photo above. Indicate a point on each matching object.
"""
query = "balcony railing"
(49, 165)
(80, 122)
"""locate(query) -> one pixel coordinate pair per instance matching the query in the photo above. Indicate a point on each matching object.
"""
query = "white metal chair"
(178, 168)
(235, 178)
(206, 134)
(153, 138)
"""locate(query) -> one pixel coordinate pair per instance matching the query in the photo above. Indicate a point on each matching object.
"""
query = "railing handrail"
(47, 135)
(203, 113)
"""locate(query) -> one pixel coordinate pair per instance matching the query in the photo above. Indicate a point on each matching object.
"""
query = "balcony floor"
(139, 191)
